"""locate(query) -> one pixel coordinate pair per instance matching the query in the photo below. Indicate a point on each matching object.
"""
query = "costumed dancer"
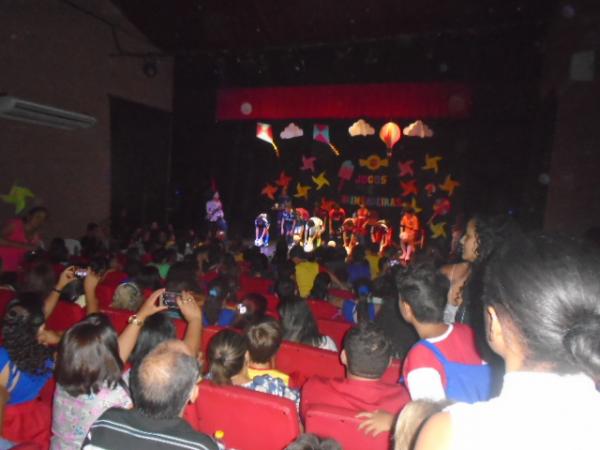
(261, 233)
(288, 222)
(409, 230)
(348, 234)
(381, 233)
(321, 213)
(312, 234)
(361, 215)
(337, 215)
(216, 217)
(302, 216)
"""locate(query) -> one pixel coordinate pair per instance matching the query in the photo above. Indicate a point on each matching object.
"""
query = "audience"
(308, 441)
(161, 386)
(366, 355)
(299, 325)
(306, 269)
(543, 318)
(228, 356)
(264, 340)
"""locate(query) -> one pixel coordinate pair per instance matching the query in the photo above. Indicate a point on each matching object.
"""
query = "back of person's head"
(320, 286)
(164, 381)
(226, 355)
(40, 279)
(251, 309)
(88, 357)
(148, 278)
(157, 329)
(546, 290)
(411, 419)
(309, 441)
(20, 327)
(217, 293)
(286, 288)
(367, 350)
(57, 251)
(357, 255)
(491, 232)
(297, 252)
(298, 323)
(425, 290)
(182, 277)
(264, 340)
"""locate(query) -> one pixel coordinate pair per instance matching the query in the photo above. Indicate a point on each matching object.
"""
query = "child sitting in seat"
(264, 340)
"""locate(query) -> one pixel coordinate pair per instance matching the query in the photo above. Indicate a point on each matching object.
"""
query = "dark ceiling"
(215, 25)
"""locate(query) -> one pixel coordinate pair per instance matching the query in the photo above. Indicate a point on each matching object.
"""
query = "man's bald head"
(162, 382)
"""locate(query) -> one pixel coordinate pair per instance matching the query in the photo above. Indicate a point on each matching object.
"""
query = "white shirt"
(214, 210)
(328, 344)
(535, 410)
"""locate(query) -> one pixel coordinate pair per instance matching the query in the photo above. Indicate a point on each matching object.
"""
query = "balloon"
(390, 134)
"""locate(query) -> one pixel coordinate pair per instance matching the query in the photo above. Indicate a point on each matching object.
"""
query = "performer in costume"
(261, 227)
(312, 234)
(348, 234)
(381, 233)
(288, 222)
(216, 216)
(337, 215)
(302, 216)
(361, 215)
(409, 231)
(322, 214)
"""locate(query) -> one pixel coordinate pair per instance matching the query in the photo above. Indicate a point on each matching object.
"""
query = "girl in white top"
(542, 314)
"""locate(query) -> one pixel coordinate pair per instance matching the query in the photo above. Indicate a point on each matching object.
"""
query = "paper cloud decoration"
(361, 128)
(418, 129)
(291, 131)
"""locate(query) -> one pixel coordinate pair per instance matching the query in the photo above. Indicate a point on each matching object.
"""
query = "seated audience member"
(543, 318)
(228, 358)
(320, 289)
(286, 289)
(159, 328)
(411, 420)
(299, 325)
(264, 340)
(92, 242)
(130, 294)
(161, 386)
(251, 310)
(445, 363)
(89, 368)
(40, 279)
(215, 310)
(25, 364)
(362, 307)
(366, 355)
(309, 441)
(306, 269)
(358, 266)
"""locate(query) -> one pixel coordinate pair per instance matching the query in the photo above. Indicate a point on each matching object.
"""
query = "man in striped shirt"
(160, 386)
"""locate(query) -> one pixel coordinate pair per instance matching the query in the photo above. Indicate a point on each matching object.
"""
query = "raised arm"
(128, 337)
(191, 312)
(65, 278)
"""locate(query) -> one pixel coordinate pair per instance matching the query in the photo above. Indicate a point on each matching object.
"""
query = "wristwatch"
(134, 320)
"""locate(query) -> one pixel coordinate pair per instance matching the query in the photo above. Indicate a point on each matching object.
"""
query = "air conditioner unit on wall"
(25, 111)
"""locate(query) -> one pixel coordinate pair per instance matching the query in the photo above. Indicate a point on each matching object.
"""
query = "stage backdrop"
(385, 145)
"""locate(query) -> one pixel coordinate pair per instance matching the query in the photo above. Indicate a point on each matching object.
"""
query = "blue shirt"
(29, 386)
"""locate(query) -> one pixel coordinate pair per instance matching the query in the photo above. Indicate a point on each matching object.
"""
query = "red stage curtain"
(380, 101)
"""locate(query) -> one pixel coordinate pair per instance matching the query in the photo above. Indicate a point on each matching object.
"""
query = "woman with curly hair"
(25, 364)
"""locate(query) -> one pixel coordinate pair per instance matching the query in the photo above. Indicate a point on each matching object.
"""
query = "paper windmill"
(432, 163)
(390, 134)
(414, 206)
(430, 188)
(408, 188)
(283, 181)
(264, 132)
(320, 181)
(18, 196)
(438, 229)
(449, 185)
(269, 191)
(308, 163)
(321, 134)
(406, 168)
(302, 191)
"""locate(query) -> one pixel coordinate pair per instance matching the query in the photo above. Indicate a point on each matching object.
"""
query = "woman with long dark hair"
(299, 325)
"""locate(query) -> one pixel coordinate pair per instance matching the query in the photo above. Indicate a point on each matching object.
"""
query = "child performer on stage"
(288, 222)
(216, 216)
(381, 233)
(348, 234)
(409, 230)
(337, 215)
(261, 227)
(312, 234)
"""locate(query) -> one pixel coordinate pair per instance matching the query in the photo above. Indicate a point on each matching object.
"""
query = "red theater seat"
(341, 425)
(250, 420)
(6, 296)
(105, 293)
(256, 285)
(324, 310)
(64, 316)
(114, 278)
(335, 329)
(28, 422)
